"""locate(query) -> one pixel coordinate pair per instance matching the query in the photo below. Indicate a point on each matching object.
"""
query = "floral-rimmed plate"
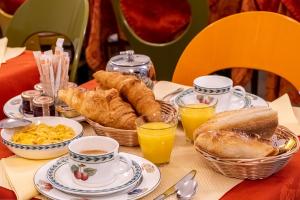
(150, 180)
(59, 177)
(13, 109)
(237, 101)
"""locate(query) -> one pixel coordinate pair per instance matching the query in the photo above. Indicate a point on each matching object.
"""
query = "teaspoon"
(172, 93)
(14, 122)
(187, 190)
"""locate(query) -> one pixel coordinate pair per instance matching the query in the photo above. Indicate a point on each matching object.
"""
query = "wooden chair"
(258, 40)
(165, 56)
(64, 17)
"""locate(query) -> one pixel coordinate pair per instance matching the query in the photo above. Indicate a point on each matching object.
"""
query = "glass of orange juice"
(194, 111)
(157, 138)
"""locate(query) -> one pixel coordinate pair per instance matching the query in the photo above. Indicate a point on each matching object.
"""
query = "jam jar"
(135, 64)
(27, 100)
(43, 106)
(39, 86)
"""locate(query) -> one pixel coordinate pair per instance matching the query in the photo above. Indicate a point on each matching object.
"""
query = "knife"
(174, 188)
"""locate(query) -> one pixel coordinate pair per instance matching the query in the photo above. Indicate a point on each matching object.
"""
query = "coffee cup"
(220, 87)
(95, 161)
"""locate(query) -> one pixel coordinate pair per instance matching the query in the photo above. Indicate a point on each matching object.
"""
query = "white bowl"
(42, 151)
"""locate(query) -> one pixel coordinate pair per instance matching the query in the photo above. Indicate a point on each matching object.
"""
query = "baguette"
(260, 121)
(228, 144)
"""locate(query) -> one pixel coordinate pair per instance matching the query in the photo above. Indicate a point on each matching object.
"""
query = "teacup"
(220, 87)
(95, 161)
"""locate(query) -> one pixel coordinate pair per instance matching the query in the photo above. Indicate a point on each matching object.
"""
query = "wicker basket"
(127, 137)
(252, 168)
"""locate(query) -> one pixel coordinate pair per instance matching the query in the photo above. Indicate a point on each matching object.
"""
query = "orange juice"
(156, 140)
(193, 115)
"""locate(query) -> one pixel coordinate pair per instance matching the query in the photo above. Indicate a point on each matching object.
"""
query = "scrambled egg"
(42, 134)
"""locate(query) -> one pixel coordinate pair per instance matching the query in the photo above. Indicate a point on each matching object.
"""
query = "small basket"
(252, 168)
(127, 137)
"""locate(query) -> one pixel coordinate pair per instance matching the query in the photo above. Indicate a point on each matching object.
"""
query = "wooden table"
(17, 75)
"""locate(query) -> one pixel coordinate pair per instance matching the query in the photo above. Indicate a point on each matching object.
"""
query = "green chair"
(165, 56)
(64, 17)
(5, 19)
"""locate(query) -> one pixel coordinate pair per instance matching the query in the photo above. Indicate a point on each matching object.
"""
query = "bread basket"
(253, 168)
(127, 137)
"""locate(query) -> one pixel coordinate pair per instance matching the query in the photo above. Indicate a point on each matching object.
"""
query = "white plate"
(60, 177)
(149, 181)
(237, 101)
(12, 109)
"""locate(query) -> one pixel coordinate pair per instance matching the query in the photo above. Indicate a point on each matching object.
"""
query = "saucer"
(60, 177)
(13, 109)
(149, 181)
(237, 101)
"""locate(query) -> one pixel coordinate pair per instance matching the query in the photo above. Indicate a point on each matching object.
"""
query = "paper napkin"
(12, 52)
(162, 88)
(286, 116)
(3, 180)
(3, 44)
(7, 53)
(19, 174)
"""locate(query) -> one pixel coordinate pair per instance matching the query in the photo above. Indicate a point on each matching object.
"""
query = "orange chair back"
(257, 40)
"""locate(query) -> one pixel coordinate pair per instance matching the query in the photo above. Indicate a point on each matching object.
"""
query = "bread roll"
(260, 121)
(228, 144)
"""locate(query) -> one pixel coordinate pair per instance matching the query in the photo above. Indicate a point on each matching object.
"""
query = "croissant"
(103, 106)
(134, 90)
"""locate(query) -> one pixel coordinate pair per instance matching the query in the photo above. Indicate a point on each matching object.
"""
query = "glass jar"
(27, 100)
(134, 64)
(43, 106)
(39, 86)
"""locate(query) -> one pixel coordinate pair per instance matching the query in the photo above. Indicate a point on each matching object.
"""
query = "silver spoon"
(14, 122)
(172, 93)
(187, 190)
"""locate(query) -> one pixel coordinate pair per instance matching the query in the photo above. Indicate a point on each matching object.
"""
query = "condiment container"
(71, 85)
(134, 64)
(39, 86)
(43, 106)
(27, 100)
(65, 111)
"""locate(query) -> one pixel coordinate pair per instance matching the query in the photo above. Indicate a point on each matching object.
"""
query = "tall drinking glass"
(195, 111)
(157, 138)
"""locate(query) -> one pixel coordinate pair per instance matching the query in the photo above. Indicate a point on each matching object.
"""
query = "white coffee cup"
(92, 168)
(220, 87)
